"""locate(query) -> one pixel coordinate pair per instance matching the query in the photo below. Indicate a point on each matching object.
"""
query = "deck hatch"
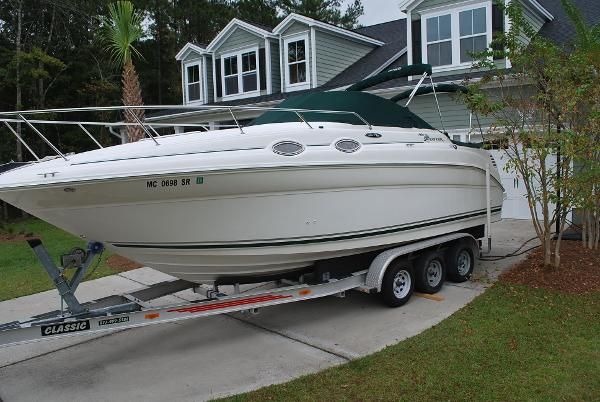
(288, 148)
(347, 146)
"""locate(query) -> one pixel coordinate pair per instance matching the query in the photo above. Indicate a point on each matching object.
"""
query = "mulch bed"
(579, 271)
(14, 238)
(121, 263)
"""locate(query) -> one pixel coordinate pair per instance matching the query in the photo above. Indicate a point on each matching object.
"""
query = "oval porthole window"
(288, 148)
(373, 135)
(347, 146)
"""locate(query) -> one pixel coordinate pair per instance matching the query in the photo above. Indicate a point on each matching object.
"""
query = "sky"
(377, 11)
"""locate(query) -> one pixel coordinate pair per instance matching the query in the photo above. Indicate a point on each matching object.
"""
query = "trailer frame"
(131, 310)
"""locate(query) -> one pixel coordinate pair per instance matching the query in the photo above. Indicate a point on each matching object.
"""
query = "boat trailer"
(132, 310)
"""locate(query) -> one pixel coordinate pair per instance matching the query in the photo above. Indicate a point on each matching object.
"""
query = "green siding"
(498, 63)
(532, 19)
(275, 69)
(335, 54)
(238, 40)
(295, 27)
(191, 56)
(454, 112)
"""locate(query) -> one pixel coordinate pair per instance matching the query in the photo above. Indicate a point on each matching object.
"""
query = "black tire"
(430, 272)
(398, 283)
(460, 261)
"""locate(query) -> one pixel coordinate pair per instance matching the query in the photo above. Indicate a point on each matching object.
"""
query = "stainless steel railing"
(148, 127)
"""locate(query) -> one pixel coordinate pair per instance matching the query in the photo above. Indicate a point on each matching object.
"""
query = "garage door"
(515, 205)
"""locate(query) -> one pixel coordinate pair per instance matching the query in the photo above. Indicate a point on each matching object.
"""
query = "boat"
(325, 175)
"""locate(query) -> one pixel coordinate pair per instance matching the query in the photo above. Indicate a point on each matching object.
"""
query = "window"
(230, 73)
(452, 36)
(249, 77)
(240, 73)
(296, 61)
(192, 79)
(473, 33)
(439, 40)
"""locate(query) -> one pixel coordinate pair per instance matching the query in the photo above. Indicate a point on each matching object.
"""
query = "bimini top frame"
(19, 117)
(424, 70)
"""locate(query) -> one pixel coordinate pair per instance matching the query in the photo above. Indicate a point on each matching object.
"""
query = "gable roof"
(293, 17)
(561, 29)
(187, 49)
(386, 31)
(535, 4)
(232, 26)
(377, 60)
(261, 26)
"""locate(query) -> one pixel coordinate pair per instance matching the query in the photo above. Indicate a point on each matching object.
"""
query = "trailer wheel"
(398, 283)
(430, 272)
(461, 262)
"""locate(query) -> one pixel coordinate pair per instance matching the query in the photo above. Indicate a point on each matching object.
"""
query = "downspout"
(120, 136)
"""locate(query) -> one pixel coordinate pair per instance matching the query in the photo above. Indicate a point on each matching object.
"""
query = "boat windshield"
(375, 110)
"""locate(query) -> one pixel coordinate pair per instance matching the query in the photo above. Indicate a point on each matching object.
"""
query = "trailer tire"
(430, 272)
(398, 283)
(460, 261)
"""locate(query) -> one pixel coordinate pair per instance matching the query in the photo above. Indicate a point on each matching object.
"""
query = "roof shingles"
(393, 34)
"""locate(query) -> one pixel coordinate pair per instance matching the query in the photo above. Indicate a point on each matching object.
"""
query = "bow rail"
(148, 126)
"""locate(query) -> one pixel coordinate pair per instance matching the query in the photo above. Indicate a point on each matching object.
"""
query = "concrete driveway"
(222, 355)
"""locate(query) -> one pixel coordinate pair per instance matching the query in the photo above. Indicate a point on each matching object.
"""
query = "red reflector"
(151, 316)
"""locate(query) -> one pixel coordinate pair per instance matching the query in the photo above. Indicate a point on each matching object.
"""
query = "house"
(252, 65)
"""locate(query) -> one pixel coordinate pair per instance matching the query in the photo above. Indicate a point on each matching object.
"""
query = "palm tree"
(120, 31)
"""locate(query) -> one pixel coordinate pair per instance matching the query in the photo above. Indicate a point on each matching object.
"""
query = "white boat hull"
(214, 222)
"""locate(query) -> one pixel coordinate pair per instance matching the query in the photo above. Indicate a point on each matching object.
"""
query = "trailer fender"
(380, 264)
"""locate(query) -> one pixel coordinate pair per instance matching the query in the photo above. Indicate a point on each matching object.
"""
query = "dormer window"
(453, 35)
(473, 38)
(439, 40)
(296, 70)
(297, 61)
(240, 73)
(230, 75)
(249, 75)
(193, 91)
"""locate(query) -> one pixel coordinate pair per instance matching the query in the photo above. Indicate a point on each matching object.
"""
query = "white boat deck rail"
(148, 127)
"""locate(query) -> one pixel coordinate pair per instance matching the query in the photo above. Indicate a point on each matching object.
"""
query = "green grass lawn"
(511, 344)
(20, 272)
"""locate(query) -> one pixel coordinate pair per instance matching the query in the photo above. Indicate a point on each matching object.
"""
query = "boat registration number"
(173, 182)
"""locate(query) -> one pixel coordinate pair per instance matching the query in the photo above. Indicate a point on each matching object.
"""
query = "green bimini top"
(375, 110)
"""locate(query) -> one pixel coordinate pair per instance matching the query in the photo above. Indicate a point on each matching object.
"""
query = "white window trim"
(186, 94)
(307, 52)
(455, 32)
(268, 63)
(238, 54)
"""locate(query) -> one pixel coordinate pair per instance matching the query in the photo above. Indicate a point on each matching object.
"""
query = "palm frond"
(121, 30)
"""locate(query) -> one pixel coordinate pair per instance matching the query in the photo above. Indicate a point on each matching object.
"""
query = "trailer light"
(151, 316)
(304, 292)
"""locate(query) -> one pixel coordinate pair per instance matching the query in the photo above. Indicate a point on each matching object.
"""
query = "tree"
(120, 31)
(326, 11)
(579, 104)
(259, 11)
(532, 122)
